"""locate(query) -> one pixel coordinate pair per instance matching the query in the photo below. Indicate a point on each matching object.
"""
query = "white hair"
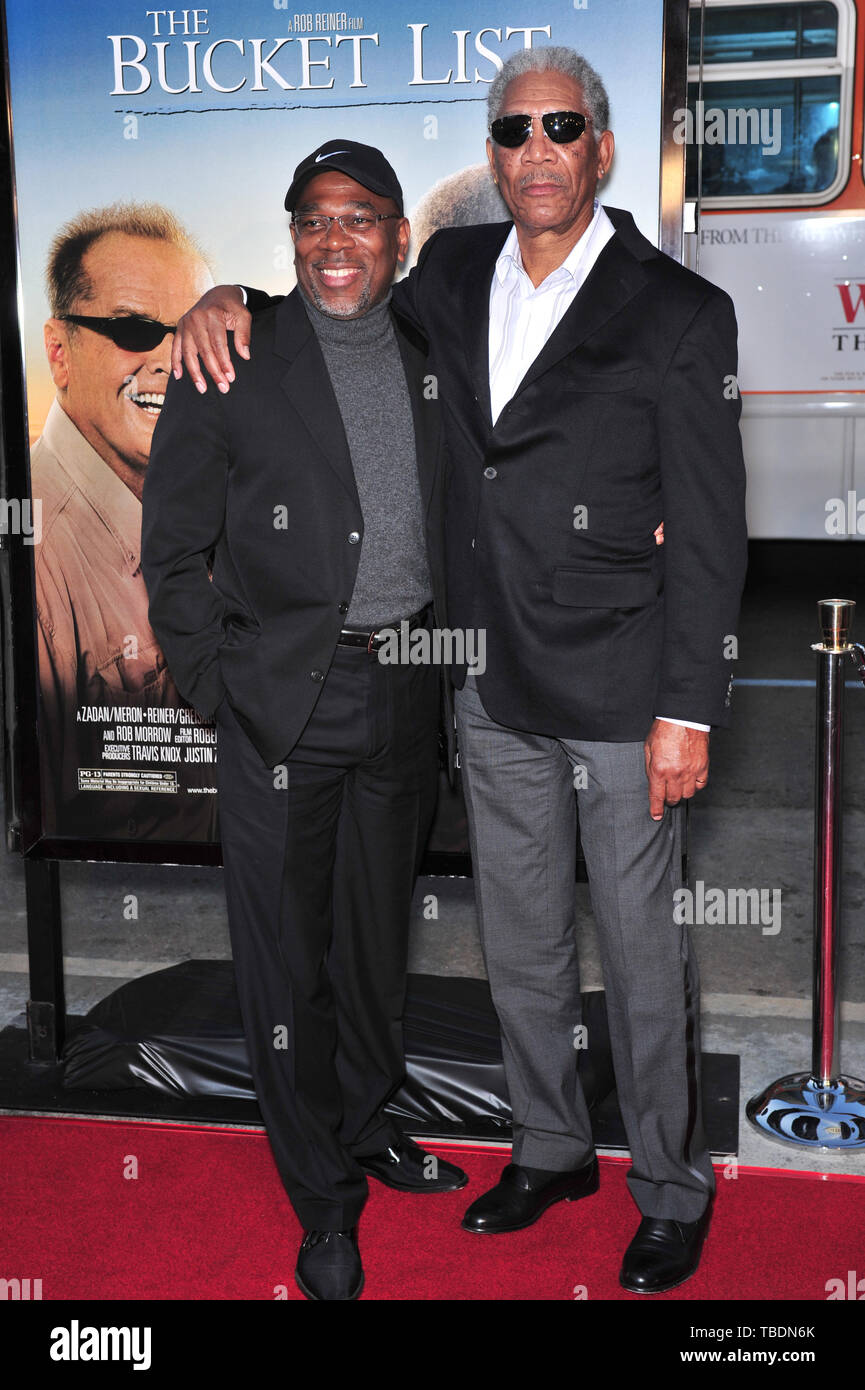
(555, 58)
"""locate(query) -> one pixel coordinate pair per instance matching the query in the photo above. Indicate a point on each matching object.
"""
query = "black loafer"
(521, 1196)
(409, 1168)
(663, 1253)
(329, 1267)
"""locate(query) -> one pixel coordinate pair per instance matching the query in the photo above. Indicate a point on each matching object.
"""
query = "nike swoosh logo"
(330, 154)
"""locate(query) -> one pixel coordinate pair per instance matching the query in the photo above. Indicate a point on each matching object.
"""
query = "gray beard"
(348, 311)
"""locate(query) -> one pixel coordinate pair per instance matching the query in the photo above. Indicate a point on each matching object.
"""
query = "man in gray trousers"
(585, 384)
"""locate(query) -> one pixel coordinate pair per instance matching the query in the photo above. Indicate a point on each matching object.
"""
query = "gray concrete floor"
(752, 827)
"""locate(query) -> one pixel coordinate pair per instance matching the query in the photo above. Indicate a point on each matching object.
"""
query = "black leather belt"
(371, 641)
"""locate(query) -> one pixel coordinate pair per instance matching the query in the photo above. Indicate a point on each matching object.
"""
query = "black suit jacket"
(259, 482)
(631, 412)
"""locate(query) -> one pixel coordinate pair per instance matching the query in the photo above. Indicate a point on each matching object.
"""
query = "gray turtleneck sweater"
(366, 371)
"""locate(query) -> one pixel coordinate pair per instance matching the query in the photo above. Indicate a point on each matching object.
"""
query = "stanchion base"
(799, 1110)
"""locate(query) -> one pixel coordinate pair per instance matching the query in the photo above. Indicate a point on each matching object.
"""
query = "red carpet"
(207, 1218)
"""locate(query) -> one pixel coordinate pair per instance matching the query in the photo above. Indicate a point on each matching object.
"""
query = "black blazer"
(260, 483)
(631, 412)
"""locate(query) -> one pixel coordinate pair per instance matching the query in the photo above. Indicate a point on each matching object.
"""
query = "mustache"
(528, 179)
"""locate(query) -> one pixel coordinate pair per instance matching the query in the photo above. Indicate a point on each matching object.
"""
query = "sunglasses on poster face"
(562, 127)
(131, 332)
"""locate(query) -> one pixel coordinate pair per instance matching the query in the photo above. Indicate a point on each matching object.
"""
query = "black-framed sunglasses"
(562, 127)
(131, 332)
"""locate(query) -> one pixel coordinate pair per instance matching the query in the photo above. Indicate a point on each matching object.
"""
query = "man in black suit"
(284, 527)
(589, 393)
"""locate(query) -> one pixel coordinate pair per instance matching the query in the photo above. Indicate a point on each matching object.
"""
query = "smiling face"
(345, 275)
(549, 187)
(111, 395)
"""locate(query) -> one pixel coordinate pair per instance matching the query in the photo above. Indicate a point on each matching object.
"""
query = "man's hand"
(202, 332)
(659, 534)
(677, 764)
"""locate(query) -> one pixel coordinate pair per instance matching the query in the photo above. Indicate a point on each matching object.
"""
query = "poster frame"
(21, 765)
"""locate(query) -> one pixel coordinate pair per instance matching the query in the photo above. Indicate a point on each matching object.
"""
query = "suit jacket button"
(491, 473)
(316, 675)
(343, 608)
(353, 537)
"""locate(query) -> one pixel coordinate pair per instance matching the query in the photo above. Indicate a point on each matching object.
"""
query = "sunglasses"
(562, 127)
(131, 332)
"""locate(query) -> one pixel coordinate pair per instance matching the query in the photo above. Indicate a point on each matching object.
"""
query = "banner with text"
(184, 126)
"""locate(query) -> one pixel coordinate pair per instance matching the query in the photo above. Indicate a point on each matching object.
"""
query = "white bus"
(774, 136)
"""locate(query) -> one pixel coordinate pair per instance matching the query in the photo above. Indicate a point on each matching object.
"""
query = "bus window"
(766, 33)
(787, 141)
(769, 124)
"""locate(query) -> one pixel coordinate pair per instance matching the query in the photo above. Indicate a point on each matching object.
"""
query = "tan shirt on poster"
(95, 643)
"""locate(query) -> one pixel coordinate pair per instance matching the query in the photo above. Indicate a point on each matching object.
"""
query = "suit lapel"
(615, 278)
(477, 279)
(307, 385)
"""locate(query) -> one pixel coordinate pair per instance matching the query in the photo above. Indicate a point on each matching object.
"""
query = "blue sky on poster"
(222, 160)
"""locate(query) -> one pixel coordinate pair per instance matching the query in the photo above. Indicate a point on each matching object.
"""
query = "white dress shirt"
(523, 316)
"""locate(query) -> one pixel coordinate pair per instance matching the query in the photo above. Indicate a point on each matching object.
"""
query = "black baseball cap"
(364, 163)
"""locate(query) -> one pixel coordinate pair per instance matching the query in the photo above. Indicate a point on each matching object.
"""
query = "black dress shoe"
(409, 1168)
(663, 1253)
(523, 1194)
(329, 1267)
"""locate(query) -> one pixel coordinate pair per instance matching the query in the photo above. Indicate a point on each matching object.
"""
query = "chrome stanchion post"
(836, 616)
(820, 1108)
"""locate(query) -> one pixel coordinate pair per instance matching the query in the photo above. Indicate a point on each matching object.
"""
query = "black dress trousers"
(321, 855)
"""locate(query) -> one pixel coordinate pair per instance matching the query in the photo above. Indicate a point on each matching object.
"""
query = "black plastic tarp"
(179, 1031)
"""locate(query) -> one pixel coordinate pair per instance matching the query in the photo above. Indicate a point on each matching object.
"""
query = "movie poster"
(163, 141)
